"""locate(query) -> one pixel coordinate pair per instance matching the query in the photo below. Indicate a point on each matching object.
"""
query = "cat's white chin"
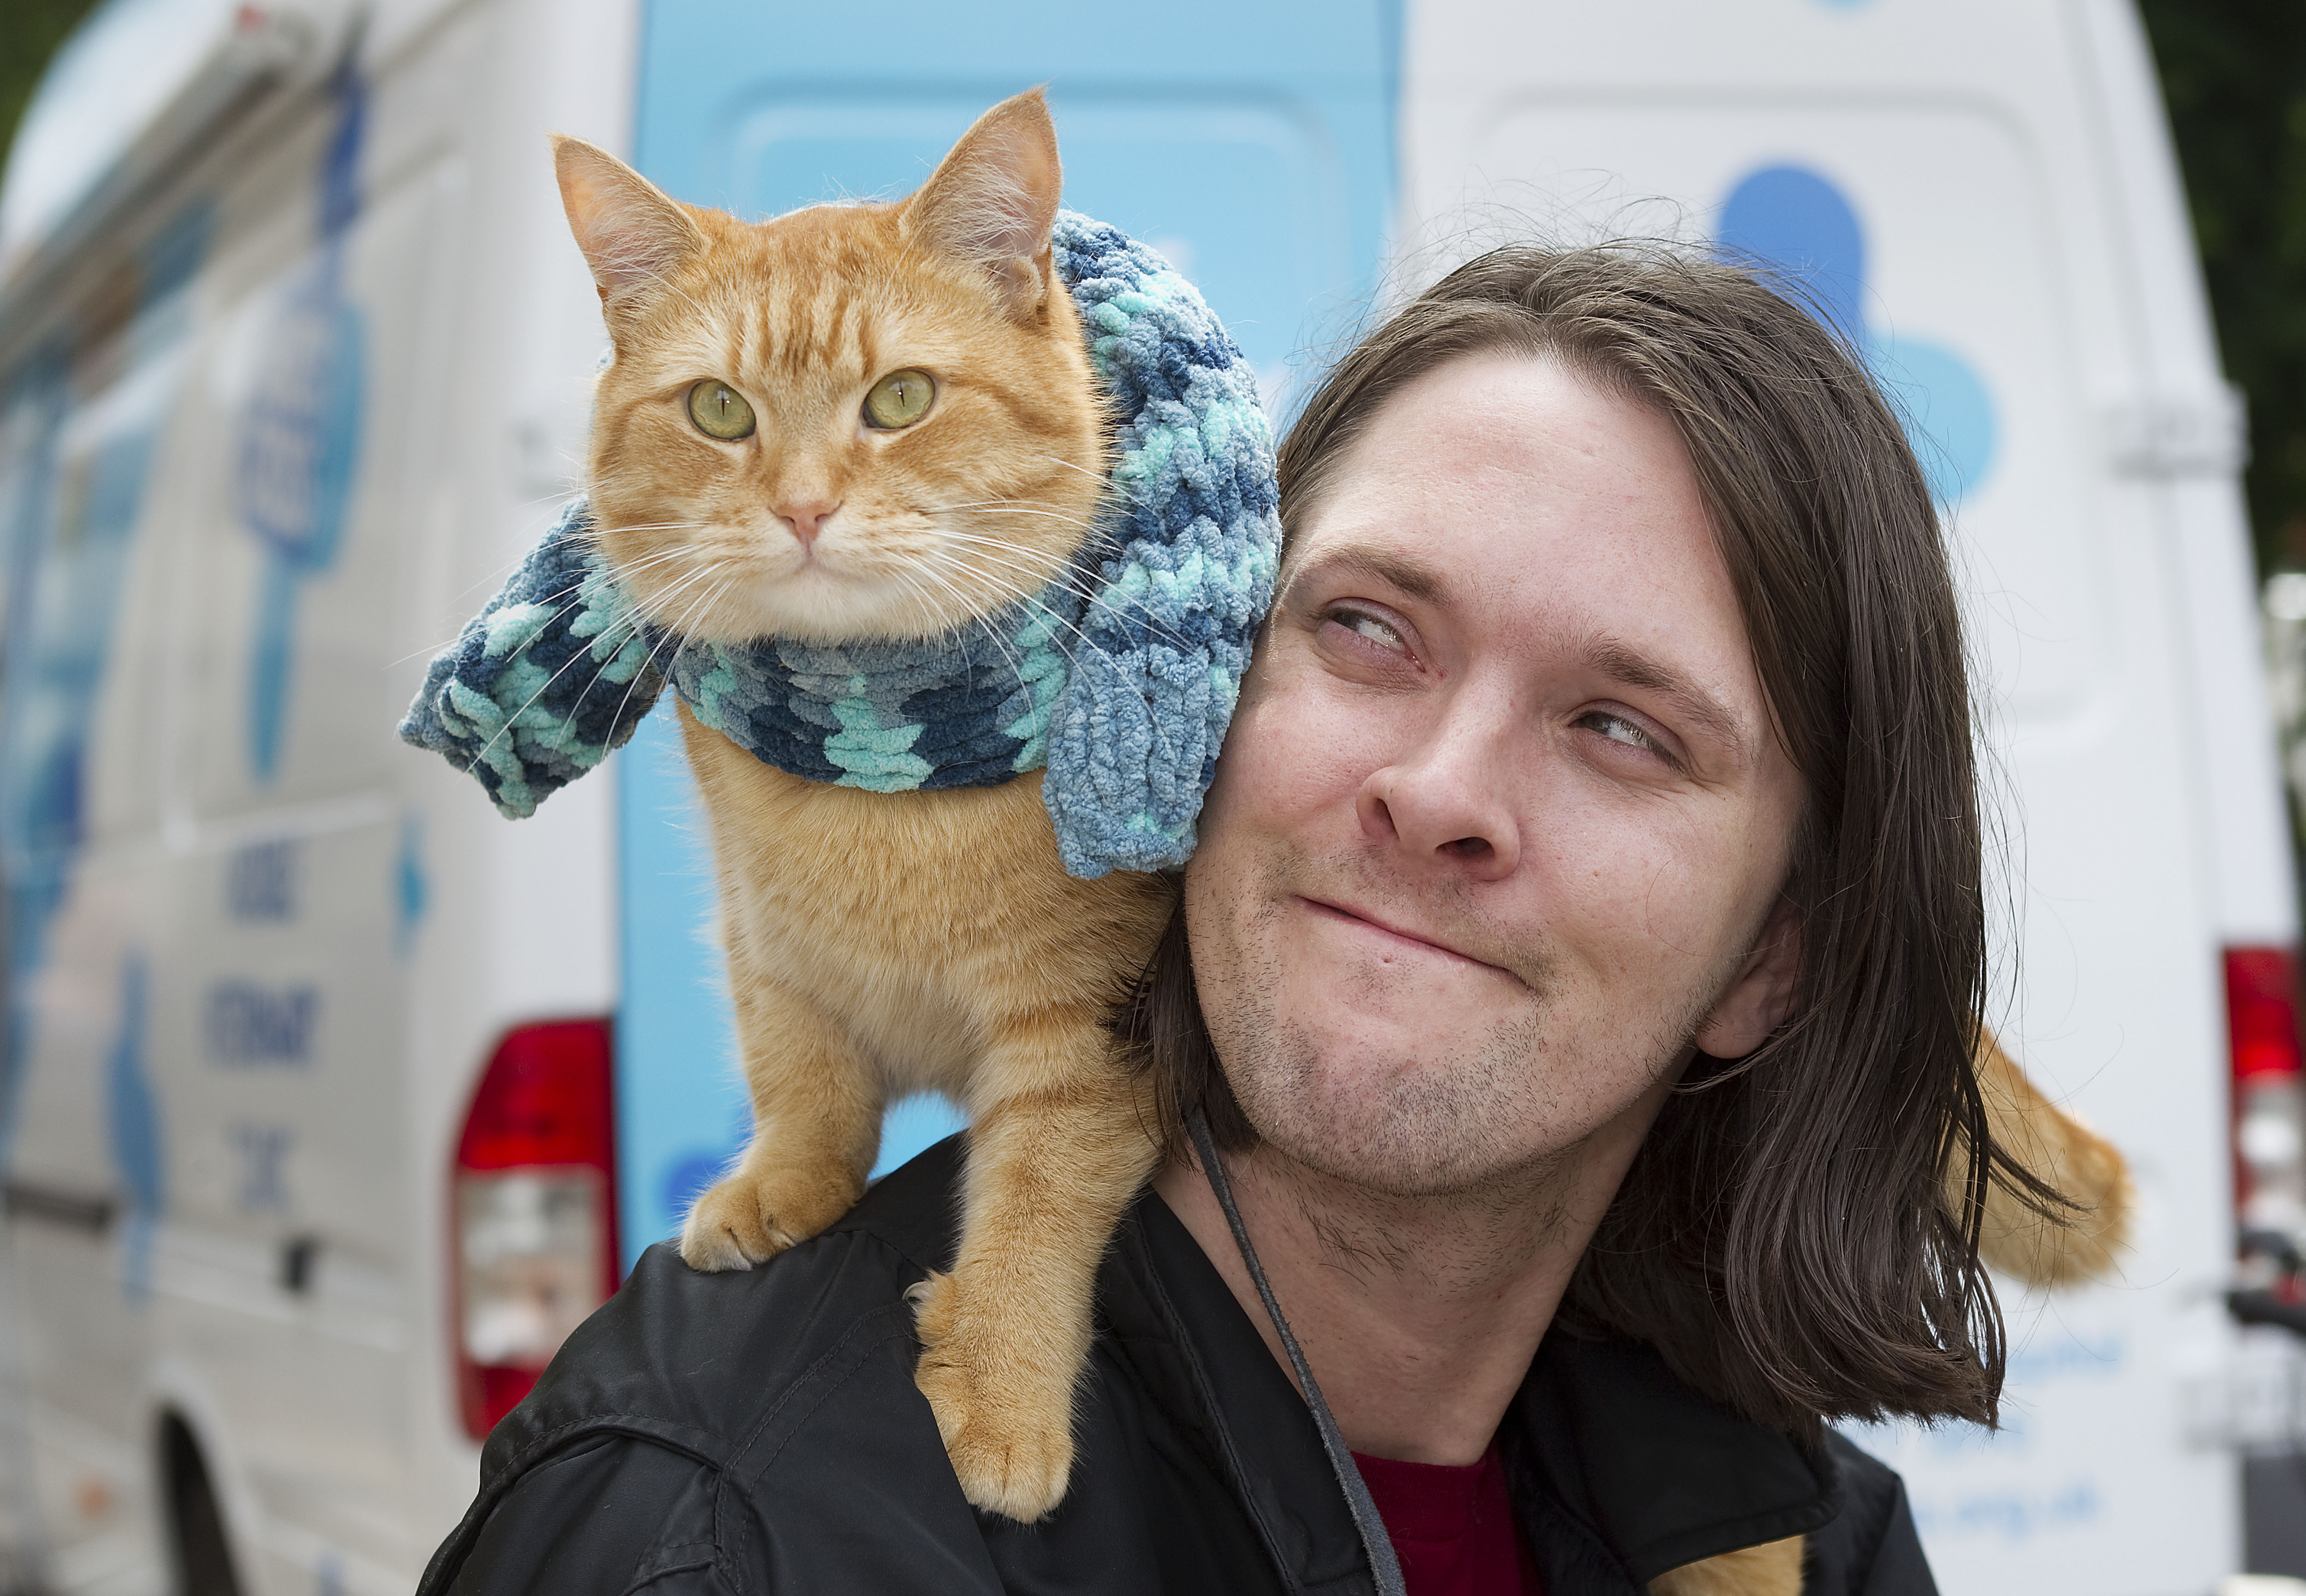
(816, 604)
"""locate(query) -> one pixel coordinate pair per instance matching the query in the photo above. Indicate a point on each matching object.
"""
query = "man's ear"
(993, 200)
(633, 233)
(1762, 995)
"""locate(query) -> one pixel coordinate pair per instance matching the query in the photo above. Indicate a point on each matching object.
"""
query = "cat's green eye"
(720, 411)
(899, 400)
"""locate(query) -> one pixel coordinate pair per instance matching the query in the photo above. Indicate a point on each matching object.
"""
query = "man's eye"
(1618, 729)
(1370, 626)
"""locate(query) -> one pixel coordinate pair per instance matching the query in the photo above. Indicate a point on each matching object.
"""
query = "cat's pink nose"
(805, 519)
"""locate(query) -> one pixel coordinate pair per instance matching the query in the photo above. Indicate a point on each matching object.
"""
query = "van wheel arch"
(198, 1541)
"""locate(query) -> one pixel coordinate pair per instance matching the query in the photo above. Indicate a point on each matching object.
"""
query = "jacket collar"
(1619, 1471)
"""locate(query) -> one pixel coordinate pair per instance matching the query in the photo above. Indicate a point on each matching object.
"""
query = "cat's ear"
(993, 200)
(632, 233)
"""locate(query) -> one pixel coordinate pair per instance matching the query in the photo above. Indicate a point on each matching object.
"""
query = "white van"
(331, 1099)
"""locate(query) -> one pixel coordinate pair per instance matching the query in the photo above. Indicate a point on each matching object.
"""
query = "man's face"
(1501, 821)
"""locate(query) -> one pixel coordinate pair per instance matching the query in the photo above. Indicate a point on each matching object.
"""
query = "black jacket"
(760, 1432)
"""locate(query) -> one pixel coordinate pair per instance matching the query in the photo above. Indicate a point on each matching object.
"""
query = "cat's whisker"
(975, 607)
(624, 573)
(513, 720)
(913, 580)
(601, 532)
(701, 604)
(987, 541)
(1163, 741)
(648, 669)
(1064, 580)
(674, 634)
(952, 562)
(1009, 508)
(635, 612)
(1101, 480)
(451, 642)
(1015, 664)
(648, 665)
(1013, 507)
(491, 582)
(1009, 657)
(498, 579)
(946, 557)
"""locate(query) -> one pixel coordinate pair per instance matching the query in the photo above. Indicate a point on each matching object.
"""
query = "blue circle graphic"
(1799, 230)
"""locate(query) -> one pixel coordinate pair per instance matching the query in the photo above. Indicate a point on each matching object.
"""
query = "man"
(1574, 981)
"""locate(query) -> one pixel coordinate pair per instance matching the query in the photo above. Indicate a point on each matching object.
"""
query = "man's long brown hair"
(1781, 1238)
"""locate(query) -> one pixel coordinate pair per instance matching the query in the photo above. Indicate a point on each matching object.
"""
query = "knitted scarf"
(1119, 677)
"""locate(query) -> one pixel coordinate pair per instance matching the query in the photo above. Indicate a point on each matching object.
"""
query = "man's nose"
(1444, 802)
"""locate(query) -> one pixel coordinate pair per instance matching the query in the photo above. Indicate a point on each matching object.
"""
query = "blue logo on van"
(1798, 222)
(409, 889)
(132, 1116)
(301, 438)
(251, 1026)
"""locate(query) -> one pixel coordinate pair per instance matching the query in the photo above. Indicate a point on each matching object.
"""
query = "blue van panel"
(1252, 144)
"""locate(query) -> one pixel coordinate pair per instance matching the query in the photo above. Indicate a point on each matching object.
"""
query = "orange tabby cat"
(885, 943)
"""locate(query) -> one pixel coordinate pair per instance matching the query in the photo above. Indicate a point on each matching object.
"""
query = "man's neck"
(1418, 1315)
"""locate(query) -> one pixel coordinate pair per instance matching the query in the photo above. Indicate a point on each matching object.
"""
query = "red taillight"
(533, 1208)
(2268, 1102)
(2262, 1011)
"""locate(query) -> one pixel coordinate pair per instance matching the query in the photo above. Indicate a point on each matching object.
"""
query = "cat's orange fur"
(2081, 1164)
(1771, 1569)
(881, 944)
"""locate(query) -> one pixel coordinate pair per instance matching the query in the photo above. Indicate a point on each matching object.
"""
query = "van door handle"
(71, 1210)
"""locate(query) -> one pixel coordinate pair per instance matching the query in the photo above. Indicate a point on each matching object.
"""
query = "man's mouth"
(1392, 931)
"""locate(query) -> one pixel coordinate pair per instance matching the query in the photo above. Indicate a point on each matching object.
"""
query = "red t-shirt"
(1452, 1527)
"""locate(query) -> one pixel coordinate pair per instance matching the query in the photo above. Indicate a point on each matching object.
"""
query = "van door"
(281, 987)
(85, 1137)
(1936, 181)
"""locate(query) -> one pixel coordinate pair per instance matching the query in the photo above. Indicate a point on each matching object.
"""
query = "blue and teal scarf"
(1119, 677)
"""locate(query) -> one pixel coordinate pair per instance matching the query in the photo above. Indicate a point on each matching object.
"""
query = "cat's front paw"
(746, 1220)
(1006, 1422)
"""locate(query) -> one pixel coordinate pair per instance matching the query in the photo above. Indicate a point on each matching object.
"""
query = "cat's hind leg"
(817, 1128)
(1060, 1143)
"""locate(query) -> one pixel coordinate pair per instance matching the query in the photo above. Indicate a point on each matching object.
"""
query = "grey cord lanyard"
(1379, 1545)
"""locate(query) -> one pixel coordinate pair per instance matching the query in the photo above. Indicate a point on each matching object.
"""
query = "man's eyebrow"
(1708, 713)
(1418, 580)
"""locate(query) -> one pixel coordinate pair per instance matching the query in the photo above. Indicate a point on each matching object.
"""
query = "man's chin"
(1425, 1136)
(1399, 1168)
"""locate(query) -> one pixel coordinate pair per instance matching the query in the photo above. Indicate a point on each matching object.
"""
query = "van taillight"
(2269, 1098)
(533, 1206)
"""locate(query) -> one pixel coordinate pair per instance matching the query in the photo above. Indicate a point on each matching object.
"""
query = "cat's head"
(854, 421)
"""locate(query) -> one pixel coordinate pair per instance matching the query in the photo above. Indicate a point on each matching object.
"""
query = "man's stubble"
(1499, 1125)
